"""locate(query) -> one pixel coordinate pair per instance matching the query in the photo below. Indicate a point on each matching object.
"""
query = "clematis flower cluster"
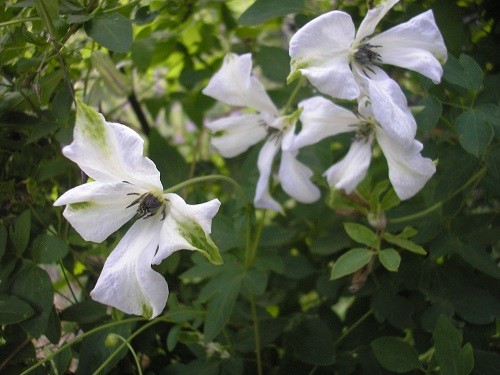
(127, 185)
(235, 85)
(346, 64)
(343, 64)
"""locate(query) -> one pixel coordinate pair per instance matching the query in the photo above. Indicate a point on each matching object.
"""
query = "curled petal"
(295, 179)
(239, 133)
(320, 119)
(372, 19)
(187, 227)
(350, 171)
(408, 170)
(110, 152)
(262, 197)
(98, 209)
(320, 50)
(389, 105)
(234, 84)
(127, 280)
(416, 45)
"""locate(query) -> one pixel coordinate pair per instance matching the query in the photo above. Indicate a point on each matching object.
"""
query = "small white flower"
(344, 64)
(234, 84)
(127, 184)
(408, 170)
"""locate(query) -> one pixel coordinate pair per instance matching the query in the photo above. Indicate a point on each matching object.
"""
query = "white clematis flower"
(127, 184)
(345, 64)
(235, 85)
(408, 170)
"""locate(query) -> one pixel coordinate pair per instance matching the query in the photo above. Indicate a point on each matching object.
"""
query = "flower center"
(366, 56)
(272, 132)
(364, 131)
(149, 205)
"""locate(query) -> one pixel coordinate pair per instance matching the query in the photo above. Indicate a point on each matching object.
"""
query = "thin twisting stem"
(475, 178)
(256, 334)
(134, 354)
(78, 339)
(352, 328)
(293, 95)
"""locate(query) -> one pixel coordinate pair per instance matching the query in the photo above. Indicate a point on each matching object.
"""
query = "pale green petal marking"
(80, 205)
(196, 236)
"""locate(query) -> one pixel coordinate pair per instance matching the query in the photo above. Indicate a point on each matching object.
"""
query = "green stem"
(251, 252)
(78, 339)
(134, 354)
(256, 331)
(209, 178)
(13, 22)
(293, 95)
(352, 328)
(67, 281)
(127, 341)
(475, 178)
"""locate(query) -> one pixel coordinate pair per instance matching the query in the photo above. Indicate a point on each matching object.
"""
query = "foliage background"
(144, 63)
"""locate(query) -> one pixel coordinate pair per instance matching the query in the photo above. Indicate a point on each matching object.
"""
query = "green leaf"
(390, 259)
(173, 337)
(221, 305)
(97, 348)
(311, 341)
(84, 312)
(473, 72)
(274, 62)
(3, 241)
(34, 286)
(395, 354)
(60, 361)
(48, 249)
(20, 233)
(350, 262)
(404, 243)
(172, 166)
(375, 194)
(474, 132)
(13, 310)
(111, 30)
(362, 234)
(264, 10)
(61, 105)
(478, 258)
(390, 200)
(464, 72)
(429, 116)
(453, 359)
(255, 281)
(116, 81)
(388, 305)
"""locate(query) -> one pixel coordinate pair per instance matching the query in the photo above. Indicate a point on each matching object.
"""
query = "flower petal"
(416, 45)
(320, 50)
(389, 105)
(295, 179)
(110, 152)
(372, 19)
(127, 280)
(234, 84)
(350, 171)
(408, 170)
(262, 197)
(98, 209)
(187, 227)
(240, 133)
(320, 119)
